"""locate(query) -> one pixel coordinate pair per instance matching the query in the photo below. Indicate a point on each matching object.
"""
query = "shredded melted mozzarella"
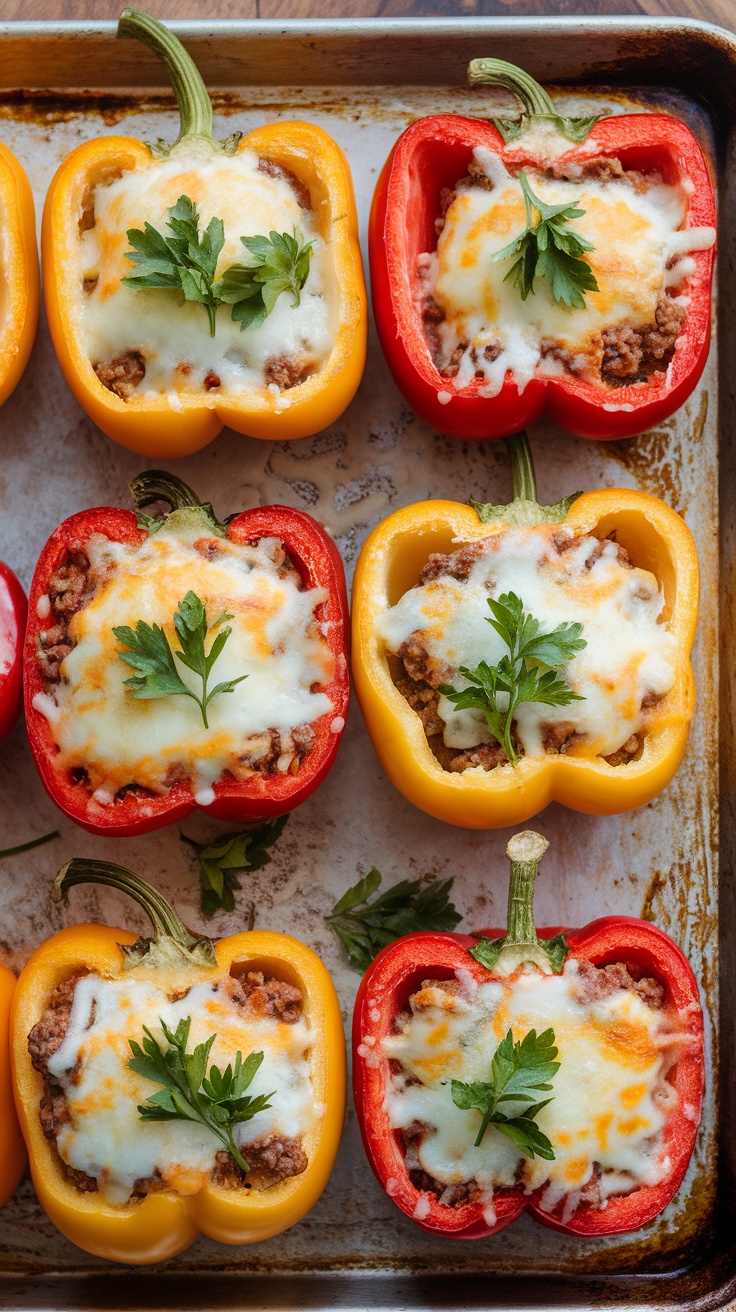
(610, 1097)
(118, 739)
(628, 654)
(634, 232)
(171, 334)
(105, 1136)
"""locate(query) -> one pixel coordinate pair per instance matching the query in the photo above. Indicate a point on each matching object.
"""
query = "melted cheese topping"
(610, 1098)
(634, 234)
(118, 739)
(628, 654)
(105, 1136)
(172, 334)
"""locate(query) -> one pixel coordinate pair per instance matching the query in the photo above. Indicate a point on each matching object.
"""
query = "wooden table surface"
(713, 11)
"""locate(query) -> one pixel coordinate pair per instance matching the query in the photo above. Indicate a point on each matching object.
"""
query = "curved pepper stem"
(172, 942)
(520, 944)
(499, 73)
(195, 106)
(158, 485)
(524, 511)
(539, 110)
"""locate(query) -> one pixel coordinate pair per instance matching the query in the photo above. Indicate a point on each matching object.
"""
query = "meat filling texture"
(624, 351)
(132, 340)
(272, 1159)
(418, 672)
(73, 585)
(590, 988)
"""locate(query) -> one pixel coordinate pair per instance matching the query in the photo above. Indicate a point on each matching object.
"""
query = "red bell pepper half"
(397, 973)
(260, 796)
(13, 613)
(433, 154)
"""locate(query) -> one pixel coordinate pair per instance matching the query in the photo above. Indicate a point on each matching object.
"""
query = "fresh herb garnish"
(27, 847)
(365, 928)
(217, 1099)
(151, 654)
(549, 250)
(219, 861)
(281, 264)
(513, 679)
(187, 259)
(518, 1072)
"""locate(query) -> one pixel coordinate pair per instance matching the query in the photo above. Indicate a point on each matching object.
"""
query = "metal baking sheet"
(364, 83)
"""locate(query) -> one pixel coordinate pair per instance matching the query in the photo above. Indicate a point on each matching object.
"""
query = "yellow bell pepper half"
(149, 424)
(164, 1224)
(656, 538)
(21, 293)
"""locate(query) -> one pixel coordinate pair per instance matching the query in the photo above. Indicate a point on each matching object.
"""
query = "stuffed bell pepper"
(207, 283)
(19, 271)
(561, 1074)
(173, 1085)
(543, 263)
(508, 656)
(178, 661)
(13, 613)
(13, 1157)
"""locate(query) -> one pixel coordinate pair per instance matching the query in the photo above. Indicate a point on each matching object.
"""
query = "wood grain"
(722, 12)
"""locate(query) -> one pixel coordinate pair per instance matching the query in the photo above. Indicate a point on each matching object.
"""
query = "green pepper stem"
(522, 467)
(195, 107)
(498, 73)
(524, 852)
(168, 928)
(158, 485)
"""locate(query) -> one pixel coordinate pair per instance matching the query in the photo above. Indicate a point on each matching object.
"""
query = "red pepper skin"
(399, 970)
(13, 615)
(246, 801)
(434, 153)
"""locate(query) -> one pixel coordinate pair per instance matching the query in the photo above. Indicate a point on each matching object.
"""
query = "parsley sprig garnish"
(216, 1100)
(548, 249)
(186, 261)
(497, 690)
(151, 654)
(220, 861)
(281, 264)
(518, 1072)
(365, 928)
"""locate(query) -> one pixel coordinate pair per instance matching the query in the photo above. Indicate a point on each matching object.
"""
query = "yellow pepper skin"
(656, 539)
(164, 1224)
(152, 427)
(13, 1157)
(19, 273)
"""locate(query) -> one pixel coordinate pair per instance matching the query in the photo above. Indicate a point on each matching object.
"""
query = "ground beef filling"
(629, 353)
(594, 983)
(418, 675)
(271, 1159)
(70, 588)
(123, 374)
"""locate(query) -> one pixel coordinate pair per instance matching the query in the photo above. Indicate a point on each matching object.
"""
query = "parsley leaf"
(280, 263)
(219, 860)
(216, 1100)
(550, 250)
(186, 260)
(151, 654)
(497, 690)
(365, 928)
(518, 1072)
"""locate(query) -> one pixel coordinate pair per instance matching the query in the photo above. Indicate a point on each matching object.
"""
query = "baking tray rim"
(416, 1290)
